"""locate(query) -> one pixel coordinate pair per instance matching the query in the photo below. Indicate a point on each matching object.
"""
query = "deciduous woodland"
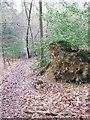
(45, 60)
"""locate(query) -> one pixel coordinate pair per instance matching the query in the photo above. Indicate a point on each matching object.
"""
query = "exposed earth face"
(71, 65)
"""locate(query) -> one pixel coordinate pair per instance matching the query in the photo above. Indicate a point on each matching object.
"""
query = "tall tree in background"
(89, 25)
(41, 32)
(3, 52)
(28, 15)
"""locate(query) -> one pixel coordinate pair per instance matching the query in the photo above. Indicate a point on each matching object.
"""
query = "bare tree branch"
(25, 9)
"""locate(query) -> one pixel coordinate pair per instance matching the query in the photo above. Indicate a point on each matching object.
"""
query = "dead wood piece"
(42, 112)
(48, 113)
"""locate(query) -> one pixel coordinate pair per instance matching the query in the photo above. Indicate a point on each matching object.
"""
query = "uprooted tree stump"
(69, 63)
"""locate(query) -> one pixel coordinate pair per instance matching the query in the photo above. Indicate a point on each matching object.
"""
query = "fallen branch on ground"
(49, 113)
(42, 112)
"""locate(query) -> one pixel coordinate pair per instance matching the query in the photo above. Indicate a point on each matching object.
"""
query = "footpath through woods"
(22, 96)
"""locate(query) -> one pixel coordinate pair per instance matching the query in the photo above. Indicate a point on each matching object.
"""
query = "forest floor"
(22, 97)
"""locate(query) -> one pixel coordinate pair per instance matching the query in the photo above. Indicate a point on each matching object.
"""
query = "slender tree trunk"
(3, 52)
(28, 15)
(32, 37)
(27, 45)
(89, 25)
(47, 28)
(41, 32)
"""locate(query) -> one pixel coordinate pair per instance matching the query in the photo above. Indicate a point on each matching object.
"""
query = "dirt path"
(19, 94)
(13, 83)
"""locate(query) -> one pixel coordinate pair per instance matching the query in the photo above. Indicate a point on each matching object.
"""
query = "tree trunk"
(27, 46)
(28, 15)
(3, 52)
(89, 25)
(41, 32)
